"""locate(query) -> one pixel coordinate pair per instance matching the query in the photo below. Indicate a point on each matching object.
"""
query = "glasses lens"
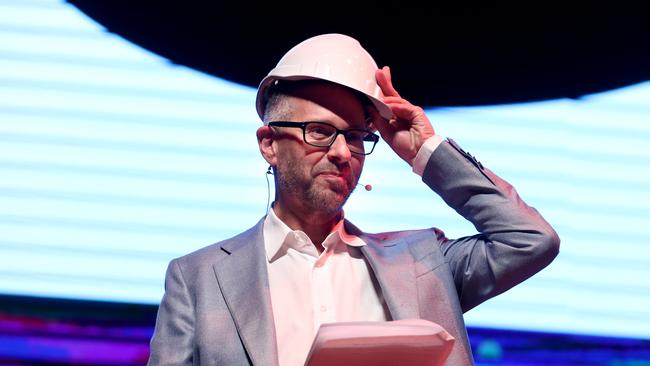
(361, 141)
(319, 134)
(357, 143)
(323, 134)
(369, 142)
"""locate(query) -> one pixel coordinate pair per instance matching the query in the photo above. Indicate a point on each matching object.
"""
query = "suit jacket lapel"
(394, 270)
(244, 283)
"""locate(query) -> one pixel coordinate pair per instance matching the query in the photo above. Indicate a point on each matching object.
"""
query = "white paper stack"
(413, 342)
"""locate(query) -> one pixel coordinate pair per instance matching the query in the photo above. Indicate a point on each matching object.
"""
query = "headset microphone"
(269, 171)
(368, 187)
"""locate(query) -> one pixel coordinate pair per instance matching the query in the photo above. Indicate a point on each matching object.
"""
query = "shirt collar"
(278, 237)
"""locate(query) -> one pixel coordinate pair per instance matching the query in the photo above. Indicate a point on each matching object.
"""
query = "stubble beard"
(326, 198)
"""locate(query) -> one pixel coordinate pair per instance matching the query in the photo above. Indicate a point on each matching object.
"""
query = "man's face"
(319, 178)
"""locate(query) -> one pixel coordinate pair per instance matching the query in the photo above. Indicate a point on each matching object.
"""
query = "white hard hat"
(333, 57)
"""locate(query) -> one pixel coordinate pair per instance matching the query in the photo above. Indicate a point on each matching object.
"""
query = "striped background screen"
(113, 161)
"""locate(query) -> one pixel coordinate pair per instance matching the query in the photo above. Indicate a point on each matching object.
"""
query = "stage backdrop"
(113, 161)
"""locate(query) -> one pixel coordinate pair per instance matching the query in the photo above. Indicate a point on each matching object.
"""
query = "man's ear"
(265, 140)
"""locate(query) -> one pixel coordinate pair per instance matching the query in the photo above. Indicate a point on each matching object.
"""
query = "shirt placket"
(322, 291)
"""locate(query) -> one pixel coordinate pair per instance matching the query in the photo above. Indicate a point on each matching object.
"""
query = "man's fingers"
(405, 115)
(402, 108)
(385, 82)
(395, 99)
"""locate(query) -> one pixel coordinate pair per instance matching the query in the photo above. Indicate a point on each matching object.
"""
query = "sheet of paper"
(413, 342)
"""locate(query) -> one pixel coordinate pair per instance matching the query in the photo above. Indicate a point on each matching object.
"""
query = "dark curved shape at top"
(440, 55)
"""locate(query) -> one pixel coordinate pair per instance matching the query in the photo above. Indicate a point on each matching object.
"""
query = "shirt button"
(323, 308)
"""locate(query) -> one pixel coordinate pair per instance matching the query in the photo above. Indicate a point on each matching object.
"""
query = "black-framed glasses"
(323, 134)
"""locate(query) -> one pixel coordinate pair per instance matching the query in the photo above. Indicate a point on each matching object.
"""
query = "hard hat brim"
(263, 91)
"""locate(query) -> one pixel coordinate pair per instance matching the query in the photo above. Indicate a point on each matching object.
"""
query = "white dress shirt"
(309, 289)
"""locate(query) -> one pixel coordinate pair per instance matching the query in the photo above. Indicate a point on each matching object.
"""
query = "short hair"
(277, 105)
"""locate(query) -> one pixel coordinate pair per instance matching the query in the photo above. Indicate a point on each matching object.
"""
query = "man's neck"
(317, 225)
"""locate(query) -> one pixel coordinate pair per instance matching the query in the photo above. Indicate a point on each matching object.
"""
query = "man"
(259, 298)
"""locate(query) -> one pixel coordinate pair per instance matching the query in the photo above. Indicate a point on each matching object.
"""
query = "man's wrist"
(422, 158)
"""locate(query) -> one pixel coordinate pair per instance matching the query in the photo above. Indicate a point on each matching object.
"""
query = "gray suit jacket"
(217, 307)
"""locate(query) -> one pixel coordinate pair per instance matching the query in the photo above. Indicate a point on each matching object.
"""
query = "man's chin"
(330, 199)
(337, 192)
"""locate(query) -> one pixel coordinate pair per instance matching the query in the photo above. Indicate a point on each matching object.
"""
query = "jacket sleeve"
(173, 339)
(514, 240)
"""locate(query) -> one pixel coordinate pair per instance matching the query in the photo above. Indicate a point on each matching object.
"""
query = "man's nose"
(339, 149)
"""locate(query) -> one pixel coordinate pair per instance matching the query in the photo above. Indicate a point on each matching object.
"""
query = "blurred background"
(127, 138)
